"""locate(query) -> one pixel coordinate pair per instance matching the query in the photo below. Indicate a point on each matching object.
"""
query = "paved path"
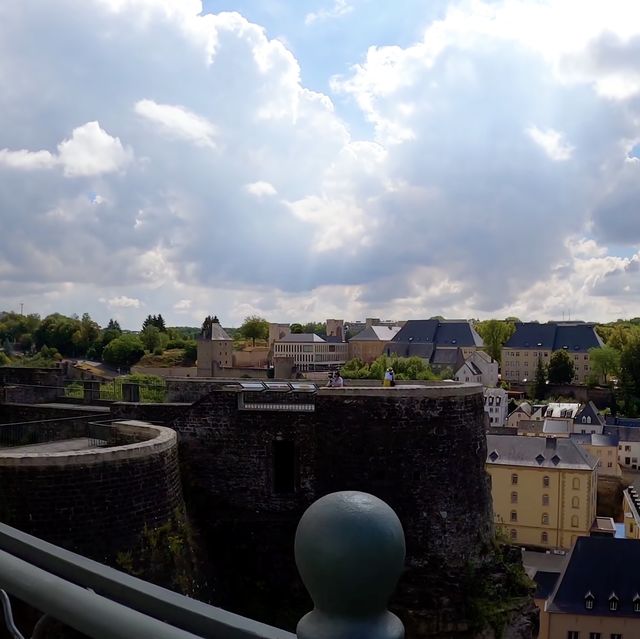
(63, 446)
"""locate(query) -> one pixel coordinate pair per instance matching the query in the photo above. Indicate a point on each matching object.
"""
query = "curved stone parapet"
(95, 501)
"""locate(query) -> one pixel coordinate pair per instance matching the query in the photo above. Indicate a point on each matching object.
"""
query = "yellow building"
(631, 504)
(544, 489)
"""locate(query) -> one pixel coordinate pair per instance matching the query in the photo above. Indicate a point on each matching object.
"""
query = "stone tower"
(215, 348)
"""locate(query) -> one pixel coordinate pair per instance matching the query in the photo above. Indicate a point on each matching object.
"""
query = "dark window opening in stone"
(284, 467)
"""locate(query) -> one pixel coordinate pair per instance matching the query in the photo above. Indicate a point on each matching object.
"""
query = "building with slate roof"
(544, 489)
(628, 444)
(631, 508)
(532, 341)
(443, 343)
(597, 595)
(215, 348)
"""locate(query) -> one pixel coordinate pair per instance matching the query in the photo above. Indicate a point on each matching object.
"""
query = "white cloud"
(123, 302)
(178, 122)
(260, 188)
(27, 160)
(90, 151)
(551, 142)
(337, 10)
(182, 306)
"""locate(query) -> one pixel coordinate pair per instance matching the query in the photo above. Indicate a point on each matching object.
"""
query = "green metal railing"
(349, 549)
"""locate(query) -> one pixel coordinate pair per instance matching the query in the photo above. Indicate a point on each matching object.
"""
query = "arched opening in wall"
(284, 466)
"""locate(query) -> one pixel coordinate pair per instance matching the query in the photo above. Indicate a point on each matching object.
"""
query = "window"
(544, 537)
(514, 479)
(627, 448)
(514, 498)
(283, 467)
(594, 635)
(588, 420)
(545, 481)
(616, 635)
(588, 601)
(573, 634)
(574, 521)
(513, 534)
(576, 483)
(545, 500)
(514, 516)
(636, 603)
(584, 420)
(575, 501)
(609, 464)
(545, 519)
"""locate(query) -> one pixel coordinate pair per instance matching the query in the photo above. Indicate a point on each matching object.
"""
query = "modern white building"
(311, 352)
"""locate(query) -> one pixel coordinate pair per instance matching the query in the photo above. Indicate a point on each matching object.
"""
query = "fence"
(113, 391)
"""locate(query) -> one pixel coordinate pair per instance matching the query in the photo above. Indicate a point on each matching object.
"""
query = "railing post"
(130, 392)
(90, 391)
(350, 551)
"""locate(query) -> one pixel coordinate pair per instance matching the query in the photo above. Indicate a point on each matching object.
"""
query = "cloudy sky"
(320, 158)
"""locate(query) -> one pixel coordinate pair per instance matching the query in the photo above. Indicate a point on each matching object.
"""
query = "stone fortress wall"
(98, 501)
(420, 448)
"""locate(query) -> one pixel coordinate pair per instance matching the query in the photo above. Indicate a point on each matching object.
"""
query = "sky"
(320, 158)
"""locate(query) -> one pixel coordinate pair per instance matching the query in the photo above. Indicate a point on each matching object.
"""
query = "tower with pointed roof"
(215, 348)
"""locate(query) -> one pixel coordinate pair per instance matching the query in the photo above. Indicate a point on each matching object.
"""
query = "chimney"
(550, 444)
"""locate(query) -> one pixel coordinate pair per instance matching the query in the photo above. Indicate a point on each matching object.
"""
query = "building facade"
(311, 352)
(370, 343)
(631, 507)
(215, 349)
(532, 342)
(495, 405)
(544, 489)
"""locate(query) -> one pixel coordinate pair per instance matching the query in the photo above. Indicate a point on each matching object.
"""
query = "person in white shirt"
(337, 380)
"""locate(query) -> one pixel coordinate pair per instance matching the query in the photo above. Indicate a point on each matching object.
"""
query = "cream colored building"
(532, 342)
(544, 489)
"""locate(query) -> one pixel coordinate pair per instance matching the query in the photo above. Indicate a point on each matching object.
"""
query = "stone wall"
(96, 502)
(158, 413)
(420, 448)
(11, 413)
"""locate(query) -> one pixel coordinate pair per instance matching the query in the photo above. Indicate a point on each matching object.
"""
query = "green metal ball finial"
(350, 552)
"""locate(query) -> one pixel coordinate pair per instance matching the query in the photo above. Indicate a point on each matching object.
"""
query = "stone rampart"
(258, 459)
(97, 502)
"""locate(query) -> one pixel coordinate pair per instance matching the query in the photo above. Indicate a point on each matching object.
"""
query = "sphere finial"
(350, 552)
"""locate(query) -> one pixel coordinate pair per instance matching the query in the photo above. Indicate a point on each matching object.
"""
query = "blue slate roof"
(577, 337)
(601, 566)
(545, 583)
(631, 422)
(457, 333)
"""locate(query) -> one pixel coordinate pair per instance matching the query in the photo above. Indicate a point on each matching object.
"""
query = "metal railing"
(360, 532)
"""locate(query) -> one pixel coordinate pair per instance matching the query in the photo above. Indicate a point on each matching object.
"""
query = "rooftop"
(537, 452)
(600, 569)
(571, 336)
(441, 332)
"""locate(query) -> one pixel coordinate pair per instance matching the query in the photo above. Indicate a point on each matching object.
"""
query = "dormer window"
(613, 601)
(589, 600)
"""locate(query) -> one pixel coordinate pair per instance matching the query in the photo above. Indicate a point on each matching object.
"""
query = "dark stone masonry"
(251, 468)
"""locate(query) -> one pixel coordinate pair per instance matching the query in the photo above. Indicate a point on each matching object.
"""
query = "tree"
(296, 328)
(255, 327)
(59, 332)
(561, 370)
(630, 376)
(150, 337)
(540, 389)
(605, 361)
(123, 351)
(495, 333)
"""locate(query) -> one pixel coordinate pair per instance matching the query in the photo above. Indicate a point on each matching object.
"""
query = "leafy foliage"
(403, 367)
(255, 327)
(123, 351)
(495, 333)
(605, 361)
(561, 369)
(540, 388)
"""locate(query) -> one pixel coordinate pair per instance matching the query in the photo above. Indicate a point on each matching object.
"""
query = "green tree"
(4, 359)
(296, 328)
(123, 351)
(86, 335)
(630, 376)
(255, 327)
(540, 387)
(561, 370)
(605, 361)
(150, 337)
(59, 332)
(495, 333)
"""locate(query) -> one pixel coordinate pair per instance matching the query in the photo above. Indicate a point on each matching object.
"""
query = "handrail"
(349, 549)
(182, 612)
